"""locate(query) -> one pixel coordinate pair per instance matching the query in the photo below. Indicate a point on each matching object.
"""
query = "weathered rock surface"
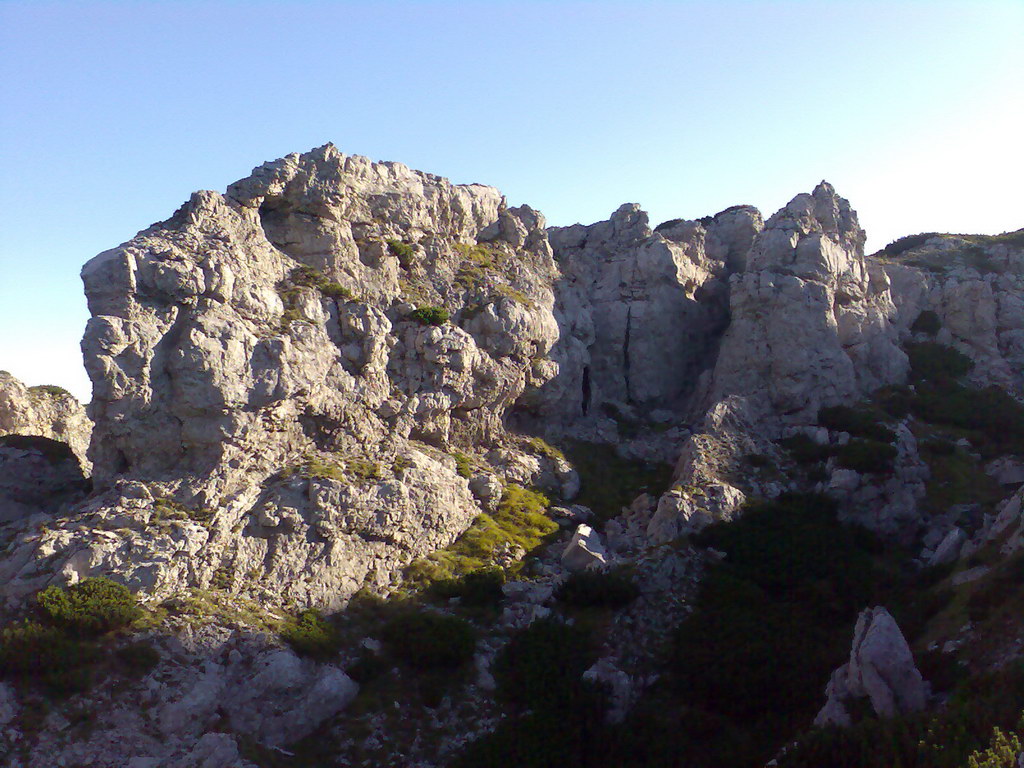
(640, 312)
(881, 668)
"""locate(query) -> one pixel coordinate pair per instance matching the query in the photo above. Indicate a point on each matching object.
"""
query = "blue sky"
(112, 113)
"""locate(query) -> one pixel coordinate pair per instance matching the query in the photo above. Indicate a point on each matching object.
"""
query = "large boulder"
(881, 669)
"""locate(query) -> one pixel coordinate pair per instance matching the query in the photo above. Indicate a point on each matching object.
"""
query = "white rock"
(584, 550)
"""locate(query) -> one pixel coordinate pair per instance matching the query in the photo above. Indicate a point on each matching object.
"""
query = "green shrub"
(310, 634)
(53, 451)
(51, 390)
(859, 422)
(908, 242)
(866, 456)
(927, 322)
(430, 315)
(804, 450)
(994, 416)
(542, 667)
(139, 657)
(596, 589)
(476, 589)
(336, 291)
(403, 251)
(896, 400)
(46, 655)
(930, 361)
(91, 607)
(427, 640)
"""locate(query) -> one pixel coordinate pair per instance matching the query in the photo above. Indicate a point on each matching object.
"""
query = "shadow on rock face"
(37, 474)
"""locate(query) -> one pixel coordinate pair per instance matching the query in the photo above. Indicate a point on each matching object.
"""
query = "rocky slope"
(339, 368)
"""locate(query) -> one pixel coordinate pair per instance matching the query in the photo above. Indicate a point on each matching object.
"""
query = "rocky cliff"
(338, 368)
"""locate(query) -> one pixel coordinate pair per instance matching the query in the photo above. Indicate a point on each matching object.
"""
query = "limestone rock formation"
(44, 411)
(277, 386)
(881, 668)
(640, 312)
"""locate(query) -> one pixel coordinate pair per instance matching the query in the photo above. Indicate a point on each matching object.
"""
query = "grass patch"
(310, 634)
(519, 522)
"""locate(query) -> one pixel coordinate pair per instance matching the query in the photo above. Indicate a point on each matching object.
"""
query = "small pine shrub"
(804, 450)
(427, 640)
(51, 390)
(930, 361)
(908, 242)
(542, 666)
(91, 607)
(310, 634)
(402, 251)
(140, 657)
(430, 315)
(595, 589)
(927, 322)
(47, 655)
(858, 422)
(477, 589)
(867, 456)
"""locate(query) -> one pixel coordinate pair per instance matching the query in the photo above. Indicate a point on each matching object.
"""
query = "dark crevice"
(625, 351)
(586, 389)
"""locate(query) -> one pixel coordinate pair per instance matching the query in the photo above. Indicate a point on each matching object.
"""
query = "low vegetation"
(430, 641)
(57, 647)
(597, 589)
(520, 523)
(610, 482)
(430, 315)
(310, 634)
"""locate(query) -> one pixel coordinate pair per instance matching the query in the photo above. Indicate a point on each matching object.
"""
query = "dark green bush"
(49, 389)
(937, 739)
(991, 412)
(542, 667)
(430, 315)
(930, 361)
(860, 422)
(597, 589)
(475, 589)
(867, 456)
(310, 634)
(428, 640)
(91, 607)
(908, 242)
(46, 655)
(804, 450)
(403, 251)
(895, 400)
(927, 322)
(139, 657)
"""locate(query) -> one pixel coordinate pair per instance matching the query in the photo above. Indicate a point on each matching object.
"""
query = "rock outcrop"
(881, 668)
(278, 388)
(641, 312)
(44, 411)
